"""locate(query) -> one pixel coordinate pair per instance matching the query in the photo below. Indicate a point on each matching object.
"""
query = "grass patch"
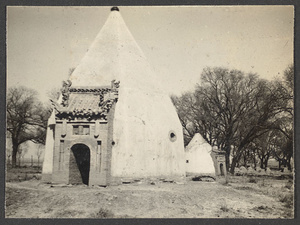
(246, 188)
(15, 199)
(289, 184)
(284, 177)
(104, 213)
(262, 183)
(224, 208)
(287, 199)
(24, 173)
(252, 180)
(67, 214)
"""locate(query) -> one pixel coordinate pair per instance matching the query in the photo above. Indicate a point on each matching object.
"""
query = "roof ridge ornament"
(115, 8)
(65, 91)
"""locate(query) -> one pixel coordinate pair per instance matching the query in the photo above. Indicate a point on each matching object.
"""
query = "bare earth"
(243, 197)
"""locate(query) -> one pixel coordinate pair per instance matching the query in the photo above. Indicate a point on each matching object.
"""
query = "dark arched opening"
(222, 169)
(79, 166)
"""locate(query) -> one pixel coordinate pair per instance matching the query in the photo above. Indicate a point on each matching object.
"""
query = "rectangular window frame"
(81, 129)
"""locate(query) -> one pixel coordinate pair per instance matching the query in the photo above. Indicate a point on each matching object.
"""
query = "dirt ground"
(242, 197)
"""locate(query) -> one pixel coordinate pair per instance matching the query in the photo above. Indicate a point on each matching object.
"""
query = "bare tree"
(230, 109)
(26, 118)
(249, 156)
(282, 150)
(283, 130)
(264, 147)
(230, 102)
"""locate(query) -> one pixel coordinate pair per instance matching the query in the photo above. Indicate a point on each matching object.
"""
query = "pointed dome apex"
(115, 55)
(115, 8)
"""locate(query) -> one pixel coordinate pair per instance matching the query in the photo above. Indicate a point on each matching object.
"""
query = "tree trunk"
(279, 163)
(262, 163)
(289, 164)
(227, 161)
(284, 162)
(266, 163)
(234, 162)
(14, 155)
(254, 159)
(245, 161)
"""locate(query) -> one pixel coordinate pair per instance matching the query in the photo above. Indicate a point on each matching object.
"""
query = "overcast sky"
(45, 42)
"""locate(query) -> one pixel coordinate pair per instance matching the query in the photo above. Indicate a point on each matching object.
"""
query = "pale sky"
(43, 43)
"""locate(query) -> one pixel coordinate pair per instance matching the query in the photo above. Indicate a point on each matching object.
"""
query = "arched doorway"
(79, 166)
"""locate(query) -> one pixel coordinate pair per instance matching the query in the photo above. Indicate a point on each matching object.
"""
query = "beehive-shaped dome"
(198, 158)
(147, 134)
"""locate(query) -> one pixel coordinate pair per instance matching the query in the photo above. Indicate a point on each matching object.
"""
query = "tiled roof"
(83, 101)
(86, 103)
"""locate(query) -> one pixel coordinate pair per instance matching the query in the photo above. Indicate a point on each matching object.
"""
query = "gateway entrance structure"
(114, 120)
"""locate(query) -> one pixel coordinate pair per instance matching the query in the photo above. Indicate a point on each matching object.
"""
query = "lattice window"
(81, 130)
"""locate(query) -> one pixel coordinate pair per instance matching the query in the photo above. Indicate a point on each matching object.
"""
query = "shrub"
(288, 199)
(252, 180)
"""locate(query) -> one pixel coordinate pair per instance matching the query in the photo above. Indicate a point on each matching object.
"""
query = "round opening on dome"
(113, 143)
(172, 136)
(115, 8)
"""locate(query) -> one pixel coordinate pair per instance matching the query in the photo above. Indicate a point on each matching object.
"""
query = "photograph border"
(5, 3)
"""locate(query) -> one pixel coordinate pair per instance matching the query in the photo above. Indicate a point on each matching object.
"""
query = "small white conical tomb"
(147, 134)
(198, 158)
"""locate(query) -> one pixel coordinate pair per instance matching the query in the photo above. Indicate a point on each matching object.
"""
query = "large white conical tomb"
(147, 138)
